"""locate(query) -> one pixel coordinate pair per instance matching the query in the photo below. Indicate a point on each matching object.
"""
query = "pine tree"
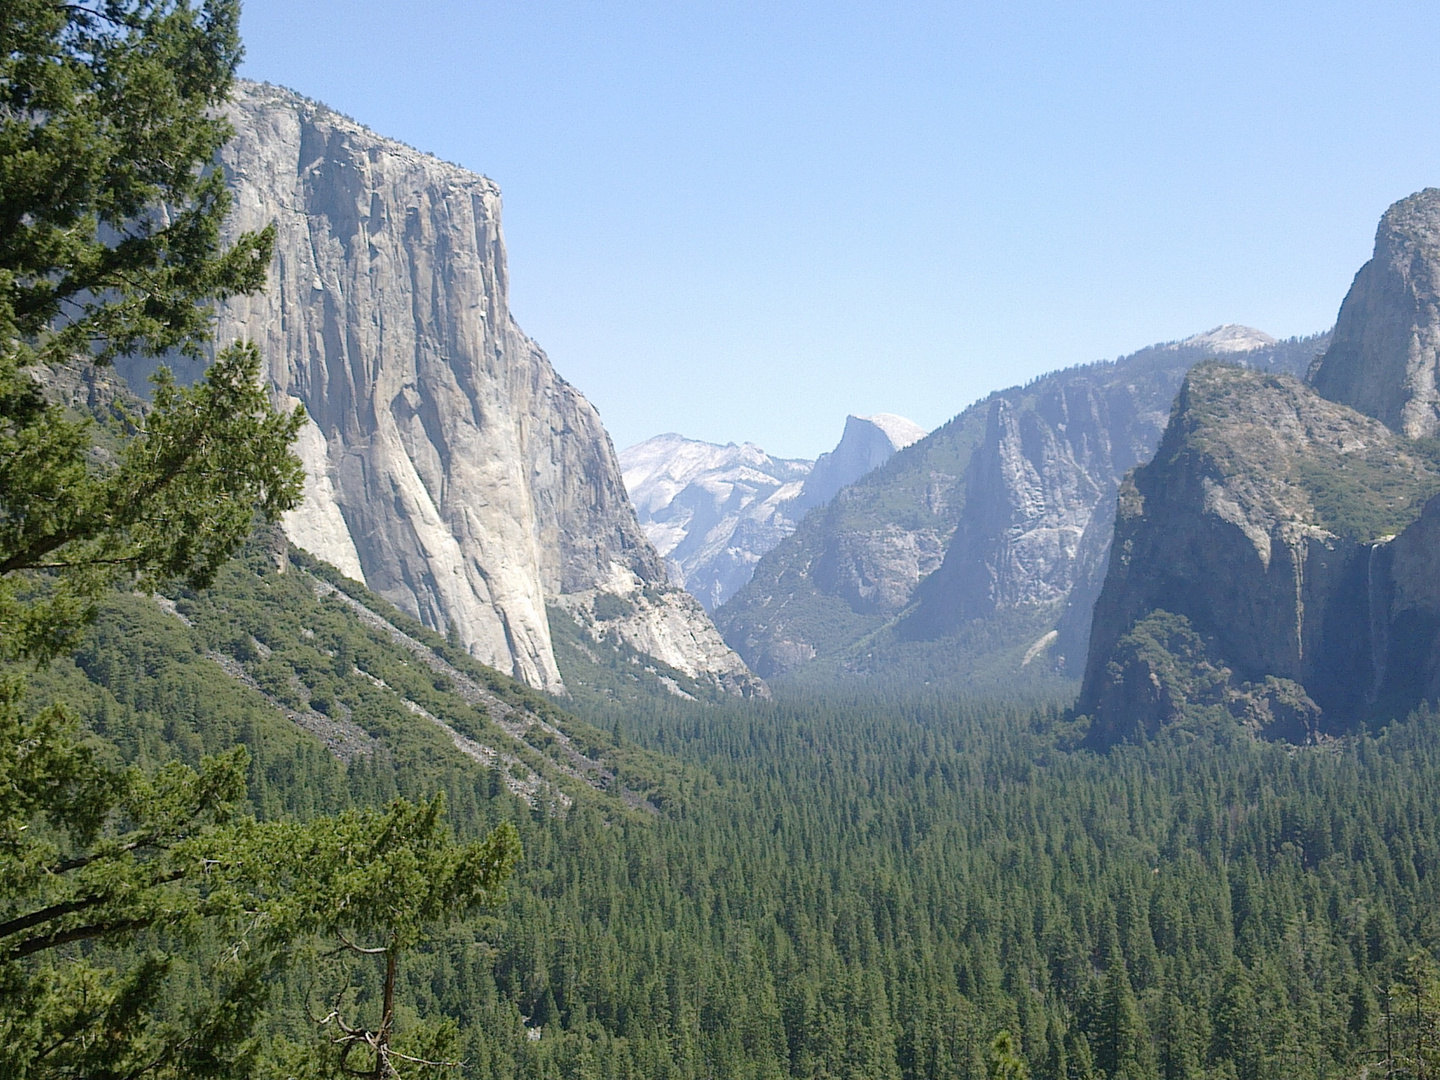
(110, 244)
(1122, 1046)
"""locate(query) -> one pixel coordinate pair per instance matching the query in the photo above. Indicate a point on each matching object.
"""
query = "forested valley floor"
(827, 888)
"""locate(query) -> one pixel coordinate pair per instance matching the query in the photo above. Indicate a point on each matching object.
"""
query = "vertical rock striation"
(448, 466)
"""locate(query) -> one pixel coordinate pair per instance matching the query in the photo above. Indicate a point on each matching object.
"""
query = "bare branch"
(356, 948)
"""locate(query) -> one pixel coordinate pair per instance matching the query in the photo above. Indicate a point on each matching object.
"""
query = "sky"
(743, 221)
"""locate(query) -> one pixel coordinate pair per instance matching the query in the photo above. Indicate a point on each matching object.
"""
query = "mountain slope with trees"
(975, 555)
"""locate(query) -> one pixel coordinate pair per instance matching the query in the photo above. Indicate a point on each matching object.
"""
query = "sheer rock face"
(1403, 594)
(867, 443)
(1046, 470)
(1384, 359)
(448, 466)
(1245, 571)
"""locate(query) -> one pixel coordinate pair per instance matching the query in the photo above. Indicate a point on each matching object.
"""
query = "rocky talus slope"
(1254, 568)
(984, 544)
(449, 468)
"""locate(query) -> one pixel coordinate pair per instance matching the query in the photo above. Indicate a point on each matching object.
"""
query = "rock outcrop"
(867, 443)
(448, 466)
(1384, 359)
(1255, 572)
(991, 534)
(1040, 478)
(710, 510)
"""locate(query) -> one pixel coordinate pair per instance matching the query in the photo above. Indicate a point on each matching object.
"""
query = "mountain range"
(453, 473)
(862, 876)
(712, 511)
(978, 551)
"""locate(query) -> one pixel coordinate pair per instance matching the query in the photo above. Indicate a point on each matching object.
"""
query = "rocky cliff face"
(1044, 472)
(710, 510)
(1254, 571)
(1385, 357)
(989, 536)
(867, 443)
(1273, 563)
(449, 467)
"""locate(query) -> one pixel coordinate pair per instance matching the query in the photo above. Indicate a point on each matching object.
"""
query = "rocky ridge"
(1253, 564)
(713, 511)
(449, 468)
(1276, 562)
(985, 539)
(867, 443)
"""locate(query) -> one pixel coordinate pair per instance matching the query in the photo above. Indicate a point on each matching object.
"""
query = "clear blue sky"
(742, 221)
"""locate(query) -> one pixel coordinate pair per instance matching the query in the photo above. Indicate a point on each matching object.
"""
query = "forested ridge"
(844, 887)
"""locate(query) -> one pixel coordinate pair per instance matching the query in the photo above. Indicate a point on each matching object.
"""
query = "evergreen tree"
(1236, 1024)
(1122, 1046)
(110, 218)
(1006, 1061)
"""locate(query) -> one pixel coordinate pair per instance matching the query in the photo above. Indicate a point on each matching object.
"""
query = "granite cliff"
(1253, 572)
(983, 545)
(449, 468)
(1276, 562)
(1385, 357)
(867, 443)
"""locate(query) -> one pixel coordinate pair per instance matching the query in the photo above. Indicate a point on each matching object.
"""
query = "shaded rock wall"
(1258, 523)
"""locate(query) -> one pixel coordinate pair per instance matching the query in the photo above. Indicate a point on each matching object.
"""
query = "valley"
(1089, 736)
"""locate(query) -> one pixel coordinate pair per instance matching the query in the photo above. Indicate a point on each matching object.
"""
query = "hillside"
(1246, 560)
(981, 542)
(821, 886)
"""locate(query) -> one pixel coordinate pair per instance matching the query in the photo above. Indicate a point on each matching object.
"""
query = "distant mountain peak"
(714, 510)
(900, 431)
(1229, 338)
(868, 442)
